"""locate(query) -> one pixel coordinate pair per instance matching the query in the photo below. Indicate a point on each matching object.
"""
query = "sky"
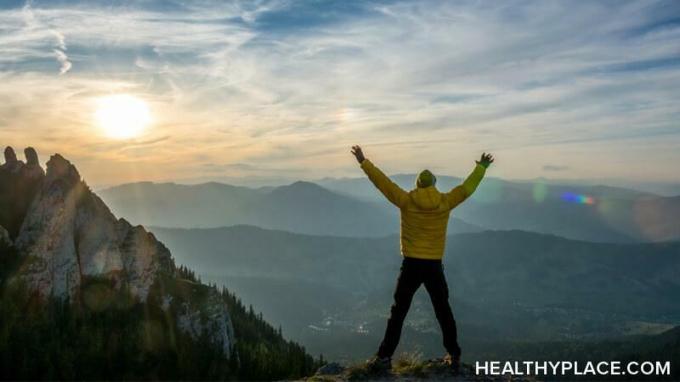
(555, 89)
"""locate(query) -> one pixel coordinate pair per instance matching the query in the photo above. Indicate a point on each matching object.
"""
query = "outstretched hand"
(356, 151)
(485, 160)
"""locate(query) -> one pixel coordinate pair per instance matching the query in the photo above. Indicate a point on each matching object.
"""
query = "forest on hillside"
(119, 337)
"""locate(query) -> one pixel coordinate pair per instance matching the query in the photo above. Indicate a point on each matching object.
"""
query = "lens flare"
(539, 192)
(572, 197)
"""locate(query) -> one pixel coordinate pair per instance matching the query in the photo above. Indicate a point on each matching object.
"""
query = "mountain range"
(573, 210)
(301, 207)
(353, 207)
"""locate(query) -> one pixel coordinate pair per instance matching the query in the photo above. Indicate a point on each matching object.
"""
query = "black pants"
(413, 273)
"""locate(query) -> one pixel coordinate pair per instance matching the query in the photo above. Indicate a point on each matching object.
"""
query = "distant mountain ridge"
(582, 212)
(300, 207)
(353, 207)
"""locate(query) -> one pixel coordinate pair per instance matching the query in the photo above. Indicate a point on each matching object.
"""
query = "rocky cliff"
(66, 236)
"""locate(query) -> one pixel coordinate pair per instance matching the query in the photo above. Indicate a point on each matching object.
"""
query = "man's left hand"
(485, 160)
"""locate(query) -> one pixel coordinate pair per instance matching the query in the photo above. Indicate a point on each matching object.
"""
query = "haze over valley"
(526, 262)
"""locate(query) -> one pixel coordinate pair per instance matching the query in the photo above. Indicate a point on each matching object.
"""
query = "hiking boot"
(452, 362)
(379, 364)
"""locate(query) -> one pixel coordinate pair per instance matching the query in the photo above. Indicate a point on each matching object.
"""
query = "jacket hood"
(425, 179)
(426, 198)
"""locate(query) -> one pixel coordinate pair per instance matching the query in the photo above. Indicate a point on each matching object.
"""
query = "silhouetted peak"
(31, 169)
(10, 155)
(60, 168)
(12, 164)
(31, 156)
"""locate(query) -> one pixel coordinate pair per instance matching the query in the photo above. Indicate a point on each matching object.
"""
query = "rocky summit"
(66, 236)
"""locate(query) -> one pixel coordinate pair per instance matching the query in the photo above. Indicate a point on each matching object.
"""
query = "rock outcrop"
(70, 234)
(218, 321)
(18, 185)
(31, 156)
(67, 235)
(10, 156)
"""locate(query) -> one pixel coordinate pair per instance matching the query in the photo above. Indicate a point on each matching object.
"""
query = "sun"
(122, 116)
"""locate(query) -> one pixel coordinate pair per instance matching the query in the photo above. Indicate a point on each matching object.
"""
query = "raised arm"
(382, 182)
(459, 193)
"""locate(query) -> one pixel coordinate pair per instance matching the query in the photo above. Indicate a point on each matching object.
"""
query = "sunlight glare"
(122, 116)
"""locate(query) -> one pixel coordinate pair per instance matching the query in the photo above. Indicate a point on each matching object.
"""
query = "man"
(424, 216)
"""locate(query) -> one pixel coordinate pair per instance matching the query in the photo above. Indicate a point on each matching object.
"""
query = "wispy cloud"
(280, 83)
(552, 167)
(62, 58)
(23, 42)
(60, 52)
(61, 41)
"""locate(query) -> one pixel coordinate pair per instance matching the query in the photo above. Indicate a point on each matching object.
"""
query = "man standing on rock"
(424, 217)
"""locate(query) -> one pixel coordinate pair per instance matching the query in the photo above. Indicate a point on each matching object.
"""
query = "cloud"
(62, 58)
(281, 83)
(551, 167)
(61, 41)
(247, 169)
(60, 52)
(32, 33)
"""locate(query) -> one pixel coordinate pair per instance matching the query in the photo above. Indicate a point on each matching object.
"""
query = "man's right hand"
(356, 151)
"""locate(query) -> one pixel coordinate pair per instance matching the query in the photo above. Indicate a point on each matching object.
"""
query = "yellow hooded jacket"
(424, 211)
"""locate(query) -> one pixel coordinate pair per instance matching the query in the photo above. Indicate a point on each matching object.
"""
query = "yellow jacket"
(424, 211)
